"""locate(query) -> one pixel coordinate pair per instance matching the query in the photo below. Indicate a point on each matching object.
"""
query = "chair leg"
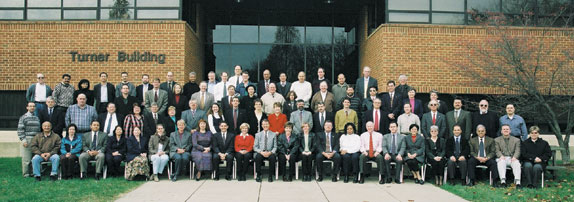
(234, 169)
(445, 175)
(296, 170)
(169, 170)
(105, 171)
(191, 169)
(542, 179)
(254, 173)
(276, 172)
(402, 173)
(490, 176)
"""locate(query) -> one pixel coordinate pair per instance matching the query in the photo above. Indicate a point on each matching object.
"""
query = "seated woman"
(201, 148)
(116, 151)
(415, 149)
(535, 153)
(307, 150)
(70, 149)
(288, 149)
(158, 146)
(277, 119)
(435, 153)
(243, 148)
(137, 156)
(350, 144)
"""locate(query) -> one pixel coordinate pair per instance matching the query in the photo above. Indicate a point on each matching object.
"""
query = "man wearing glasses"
(434, 118)
(38, 92)
(488, 119)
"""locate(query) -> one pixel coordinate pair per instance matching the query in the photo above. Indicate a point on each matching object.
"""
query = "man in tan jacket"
(45, 147)
(507, 154)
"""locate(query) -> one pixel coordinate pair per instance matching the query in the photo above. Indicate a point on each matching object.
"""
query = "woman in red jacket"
(243, 148)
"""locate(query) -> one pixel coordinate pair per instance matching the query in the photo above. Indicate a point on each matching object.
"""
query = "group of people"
(282, 122)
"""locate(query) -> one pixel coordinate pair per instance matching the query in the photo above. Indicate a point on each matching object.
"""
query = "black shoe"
(258, 178)
(503, 185)
(518, 186)
(216, 178)
(389, 180)
(421, 182)
(530, 186)
(356, 179)
(38, 178)
(270, 179)
(334, 179)
(83, 176)
(397, 181)
(53, 177)
(320, 179)
(382, 181)
(451, 182)
(290, 178)
(173, 177)
(346, 179)
(417, 181)
(285, 178)
(227, 177)
(362, 180)
(98, 176)
(470, 183)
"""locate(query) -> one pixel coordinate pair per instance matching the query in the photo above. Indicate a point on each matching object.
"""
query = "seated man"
(482, 150)
(327, 149)
(394, 148)
(535, 153)
(45, 147)
(371, 148)
(507, 154)
(265, 147)
(457, 151)
(179, 148)
(94, 146)
(222, 144)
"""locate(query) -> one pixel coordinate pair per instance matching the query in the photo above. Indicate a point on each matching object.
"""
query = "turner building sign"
(121, 56)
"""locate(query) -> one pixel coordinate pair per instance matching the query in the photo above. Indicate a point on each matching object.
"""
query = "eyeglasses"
(373, 90)
(484, 105)
(40, 77)
(433, 104)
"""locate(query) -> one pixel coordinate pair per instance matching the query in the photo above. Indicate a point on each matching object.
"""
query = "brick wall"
(27, 48)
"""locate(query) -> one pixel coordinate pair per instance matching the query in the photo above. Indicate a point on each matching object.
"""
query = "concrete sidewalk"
(278, 191)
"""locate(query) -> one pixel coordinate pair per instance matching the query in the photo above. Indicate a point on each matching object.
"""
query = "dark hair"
(66, 75)
(83, 81)
(103, 73)
(391, 81)
(393, 122)
(68, 128)
(413, 126)
(115, 128)
(351, 124)
(124, 73)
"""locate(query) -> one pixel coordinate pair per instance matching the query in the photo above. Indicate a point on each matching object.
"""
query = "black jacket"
(329, 116)
(321, 142)
(221, 146)
(450, 147)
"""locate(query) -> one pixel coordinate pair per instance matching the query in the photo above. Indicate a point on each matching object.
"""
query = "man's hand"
(537, 160)
(461, 158)
(399, 157)
(391, 116)
(68, 155)
(180, 151)
(25, 144)
(387, 156)
(343, 152)
(437, 158)
(452, 158)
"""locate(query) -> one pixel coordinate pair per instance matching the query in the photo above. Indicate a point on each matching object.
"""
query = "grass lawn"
(560, 189)
(13, 187)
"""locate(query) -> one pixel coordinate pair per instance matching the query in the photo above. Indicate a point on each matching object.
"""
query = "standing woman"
(178, 99)
(288, 148)
(435, 153)
(70, 149)
(158, 146)
(350, 144)
(201, 148)
(290, 105)
(256, 116)
(133, 121)
(84, 88)
(415, 149)
(243, 148)
(277, 120)
(214, 117)
(137, 156)
(247, 101)
(116, 151)
(307, 150)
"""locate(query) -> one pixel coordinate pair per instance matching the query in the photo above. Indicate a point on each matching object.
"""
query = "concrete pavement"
(278, 191)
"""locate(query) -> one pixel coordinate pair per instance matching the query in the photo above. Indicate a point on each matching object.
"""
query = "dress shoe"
(83, 176)
(422, 182)
(356, 179)
(228, 177)
(216, 178)
(258, 179)
(362, 180)
(38, 178)
(382, 181)
(451, 182)
(346, 179)
(155, 178)
(518, 186)
(334, 179)
(503, 185)
(53, 177)
(397, 181)
(173, 177)
(290, 178)
(284, 178)
(530, 186)
(98, 176)
(320, 179)
(417, 181)
(270, 179)
(470, 183)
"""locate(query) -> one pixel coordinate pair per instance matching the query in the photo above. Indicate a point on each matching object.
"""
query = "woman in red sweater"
(277, 120)
(243, 148)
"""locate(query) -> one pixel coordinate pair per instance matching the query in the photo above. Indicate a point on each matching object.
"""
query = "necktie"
(457, 146)
(301, 116)
(201, 102)
(224, 89)
(267, 86)
(235, 118)
(237, 81)
(192, 113)
(328, 142)
(109, 127)
(481, 148)
(433, 118)
(456, 116)
(50, 112)
(265, 144)
(170, 86)
(155, 118)
(156, 96)
(346, 113)
(377, 120)
(94, 141)
(391, 100)
(393, 145)
(322, 119)
(371, 154)
(223, 137)
(230, 100)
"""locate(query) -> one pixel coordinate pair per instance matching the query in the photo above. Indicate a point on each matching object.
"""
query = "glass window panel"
(445, 18)
(221, 33)
(117, 14)
(346, 62)
(282, 58)
(80, 14)
(80, 3)
(12, 3)
(44, 14)
(340, 35)
(408, 17)
(548, 7)
(448, 5)
(158, 14)
(518, 6)
(156, 3)
(222, 57)
(281, 34)
(11, 14)
(244, 34)
(352, 36)
(483, 5)
(318, 35)
(112, 3)
(318, 56)
(246, 56)
(44, 3)
(422, 5)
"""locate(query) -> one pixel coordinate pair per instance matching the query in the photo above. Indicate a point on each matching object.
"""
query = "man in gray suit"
(94, 147)
(192, 116)
(433, 118)
(460, 117)
(482, 152)
(179, 148)
(393, 149)
(156, 95)
(265, 147)
(300, 116)
(364, 83)
(204, 99)
(507, 154)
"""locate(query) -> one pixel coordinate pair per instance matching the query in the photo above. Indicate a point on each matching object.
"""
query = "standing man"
(302, 88)
(236, 79)
(283, 86)
(508, 154)
(327, 148)
(516, 123)
(55, 117)
(320, 79)
(346, 115)
(28, 127)
(263, 86)
(371, 149)
(265, 147)
(125, 102)
(340, 91)
(394, 147)
(45, 147)
(94, 145)
(64, 93)
(271, 98)
(221, 88)
(488, 119)
(323, 95)
(434, 118)
(403, 88)
(142, 89)
(364, 83)
(110, 120)
(168, 85)
(235, 116)
(158, 96)
(38, 93)
(204, 99)
(321, 117)
(104, 93)
(132, 87)
(482, 152)
(300, 116)
(223, 150)
(191, 86)
(81, 114)
(459, 117)
(377, 116)
(211, 82)
(192, 116)
(391, 102)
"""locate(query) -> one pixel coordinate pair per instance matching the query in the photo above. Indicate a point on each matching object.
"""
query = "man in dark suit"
(227, 100)
(376, 115)
(108, 95)
(315, 84)
(489, 119)
(151, 119)
(125, 102)
(327, 148)
(482, 152)
(403, 87)
(94, 148)
(283, 86)
(364, 83)
(321, 117)
(110, 120)
(235, 116)
(55, 117)
(457, 152)
(391, 103)
(142, 89)
(263, 85)
(460, 117)
(433, 118)
(222, 144)
(168, 84)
